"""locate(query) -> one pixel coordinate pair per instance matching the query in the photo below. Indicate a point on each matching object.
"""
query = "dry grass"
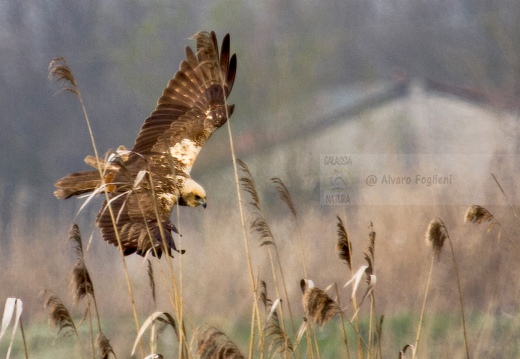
(319, 308)
(213, 344)
(226, 302)
(343, 246)
(59, 316)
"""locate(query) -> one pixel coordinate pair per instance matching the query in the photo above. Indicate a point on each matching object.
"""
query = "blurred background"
(336, 76)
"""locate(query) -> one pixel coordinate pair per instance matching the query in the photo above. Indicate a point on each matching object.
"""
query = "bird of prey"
(144, 184)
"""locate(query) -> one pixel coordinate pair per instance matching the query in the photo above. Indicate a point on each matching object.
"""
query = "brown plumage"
(145, 183)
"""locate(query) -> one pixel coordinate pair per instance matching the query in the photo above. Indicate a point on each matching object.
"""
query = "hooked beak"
(203, 203)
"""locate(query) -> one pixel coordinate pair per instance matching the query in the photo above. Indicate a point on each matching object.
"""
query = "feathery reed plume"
(80, 278)
(259, 223)
(263, 295)
(75, 238)
(248, 185)
(59, 316)
(80, 281)
(60, 71)
(370, 259)
(344, 250)
(369, 254)
(343, 246)
(151, 278)
(371, 280)
(103, 347)
(436, 234)
(477, 214)
(256, 309)
(319, 308)
(280, 342)
(285, 196)
(260, 226)
(213, 344)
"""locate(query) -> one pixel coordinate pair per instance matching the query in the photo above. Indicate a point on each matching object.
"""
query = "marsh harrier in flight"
(145, 183)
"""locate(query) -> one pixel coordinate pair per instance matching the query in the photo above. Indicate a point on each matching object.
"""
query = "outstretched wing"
(193, 105)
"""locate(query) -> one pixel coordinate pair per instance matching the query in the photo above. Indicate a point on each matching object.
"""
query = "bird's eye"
(197, 197)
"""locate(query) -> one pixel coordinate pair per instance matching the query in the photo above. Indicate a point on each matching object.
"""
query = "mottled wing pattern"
(193, 104)
(139, 212)
(137, 235)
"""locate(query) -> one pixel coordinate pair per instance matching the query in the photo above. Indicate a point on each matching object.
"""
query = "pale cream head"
(192, 194)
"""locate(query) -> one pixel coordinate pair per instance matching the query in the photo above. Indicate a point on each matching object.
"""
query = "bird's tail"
(77, 183)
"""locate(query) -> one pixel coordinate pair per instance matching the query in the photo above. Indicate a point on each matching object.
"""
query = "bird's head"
(192, 194)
